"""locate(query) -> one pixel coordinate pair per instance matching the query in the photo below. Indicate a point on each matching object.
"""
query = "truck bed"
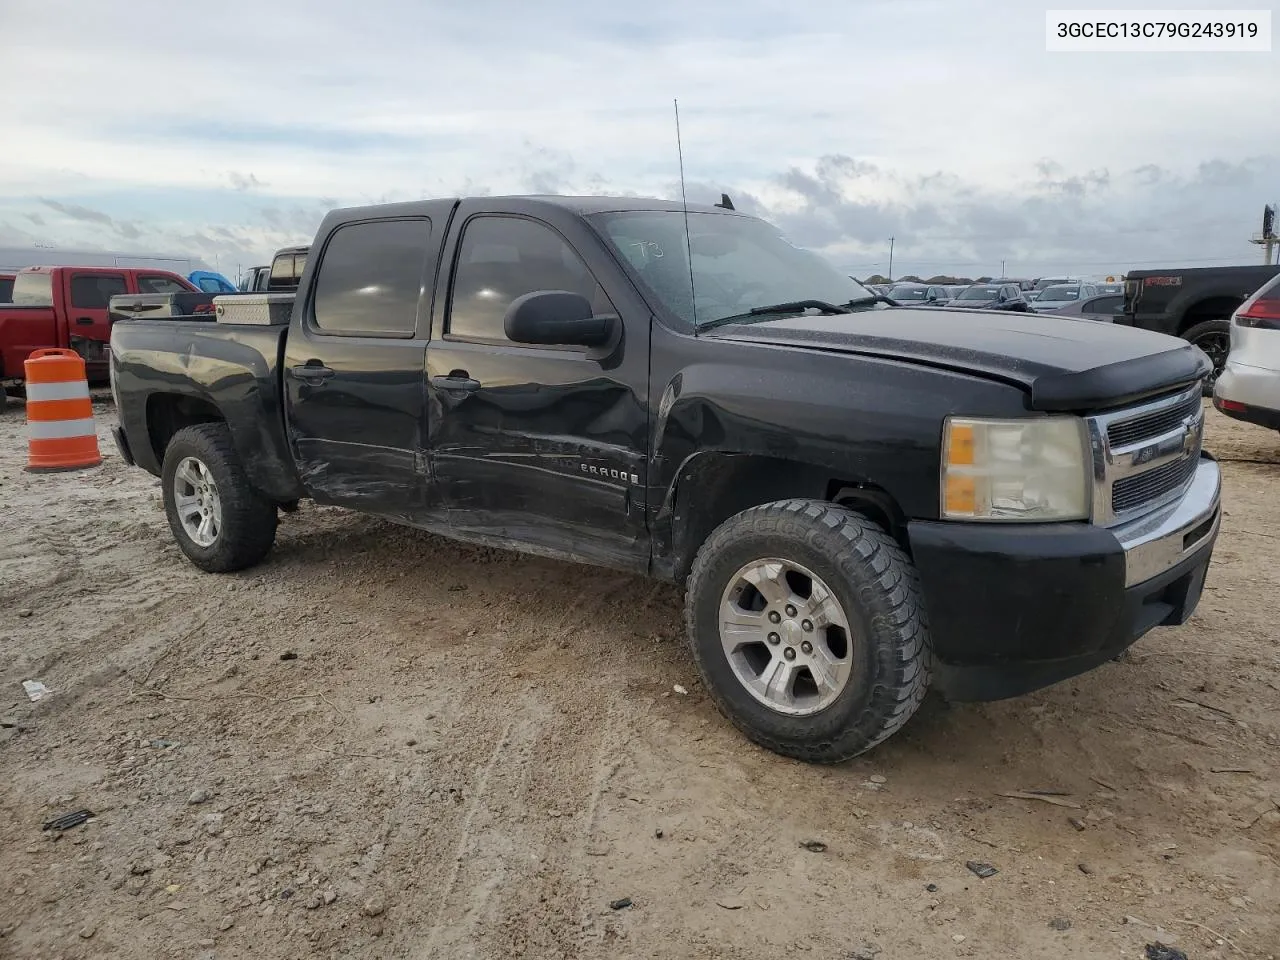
(178, 364)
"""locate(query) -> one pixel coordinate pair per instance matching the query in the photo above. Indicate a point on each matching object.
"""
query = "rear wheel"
(808, 629)
(1214, 338)
(218, 520)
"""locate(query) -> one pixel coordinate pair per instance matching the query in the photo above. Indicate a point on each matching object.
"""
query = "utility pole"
(1267, 239)
(891, 259)
(1002, 274)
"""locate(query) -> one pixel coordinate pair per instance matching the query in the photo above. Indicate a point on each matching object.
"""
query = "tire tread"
(886, 584)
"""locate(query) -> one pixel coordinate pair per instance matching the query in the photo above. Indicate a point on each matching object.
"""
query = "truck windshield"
(1060, 293)
(905, 291)
(738, 263)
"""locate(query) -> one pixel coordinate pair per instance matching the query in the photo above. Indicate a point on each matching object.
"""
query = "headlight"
(1033, 469)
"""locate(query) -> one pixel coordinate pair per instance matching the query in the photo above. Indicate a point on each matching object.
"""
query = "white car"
(1248, 388)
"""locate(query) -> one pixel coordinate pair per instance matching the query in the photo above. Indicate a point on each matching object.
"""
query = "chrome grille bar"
(1144, 456)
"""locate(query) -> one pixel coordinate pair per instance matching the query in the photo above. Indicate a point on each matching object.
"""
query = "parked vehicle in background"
(211, 282)
(955, 289)
(1248, 388)
(919, 293)
(19, 258)
(681, 393)
(255, 280)
(68, 307)
(1023, 285)
(1116, 288)
(1195, 304)
(155, 306)
(1044, 282)
(1061, 295)
(6, 288)
(1105, 307)
(992, 296)
(287, 267)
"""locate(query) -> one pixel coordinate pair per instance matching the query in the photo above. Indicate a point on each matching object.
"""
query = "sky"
(152, 126)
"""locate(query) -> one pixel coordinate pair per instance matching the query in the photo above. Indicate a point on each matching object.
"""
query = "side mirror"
(556, 318)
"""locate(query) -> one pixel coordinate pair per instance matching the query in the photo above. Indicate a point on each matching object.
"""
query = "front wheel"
(808, 629)
(218, 520)
(1213, 337)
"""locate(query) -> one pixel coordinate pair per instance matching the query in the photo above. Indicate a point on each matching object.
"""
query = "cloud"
(74, 211)
(243, 182)
(845, 123)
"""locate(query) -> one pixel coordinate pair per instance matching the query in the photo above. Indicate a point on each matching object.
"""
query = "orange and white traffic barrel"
(61, 434)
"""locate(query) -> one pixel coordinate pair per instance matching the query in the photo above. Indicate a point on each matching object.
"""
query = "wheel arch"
(712, 486)
(1216, 307)
(167, 413)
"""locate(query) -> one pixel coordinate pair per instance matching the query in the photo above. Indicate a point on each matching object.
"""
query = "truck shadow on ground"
(395, 572)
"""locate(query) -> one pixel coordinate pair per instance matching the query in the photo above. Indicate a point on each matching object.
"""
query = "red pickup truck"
(67, 307)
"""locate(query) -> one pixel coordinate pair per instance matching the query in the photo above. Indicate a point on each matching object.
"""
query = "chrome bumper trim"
(1156, 542)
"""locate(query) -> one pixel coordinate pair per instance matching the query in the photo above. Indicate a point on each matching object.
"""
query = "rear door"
(354, 367)
(86, 294)
(541, 445)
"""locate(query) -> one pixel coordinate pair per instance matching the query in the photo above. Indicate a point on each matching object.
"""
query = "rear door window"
(370, 278)
(93, 291)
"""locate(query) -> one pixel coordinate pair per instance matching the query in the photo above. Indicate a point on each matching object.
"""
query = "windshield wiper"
(797, 305)
(871, 301)
(790, 306)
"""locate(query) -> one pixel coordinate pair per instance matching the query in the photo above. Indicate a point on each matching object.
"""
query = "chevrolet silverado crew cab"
(861, 500)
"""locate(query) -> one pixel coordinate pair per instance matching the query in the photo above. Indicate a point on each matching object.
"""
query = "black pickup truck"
(862, 500)
(1195, 304)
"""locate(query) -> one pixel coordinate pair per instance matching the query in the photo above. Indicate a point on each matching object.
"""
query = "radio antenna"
(688, 239)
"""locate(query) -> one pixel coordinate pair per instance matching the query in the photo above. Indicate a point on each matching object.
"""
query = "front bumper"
(1015, 608)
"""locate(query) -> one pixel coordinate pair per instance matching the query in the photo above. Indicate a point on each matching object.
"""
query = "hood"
(1063, 364)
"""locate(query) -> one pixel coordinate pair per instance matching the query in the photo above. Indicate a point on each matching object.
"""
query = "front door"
(538, 445)
(354, 368)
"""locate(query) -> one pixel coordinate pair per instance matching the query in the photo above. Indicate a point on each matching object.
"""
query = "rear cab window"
(370, 279)
(286, 270)
(33, 290)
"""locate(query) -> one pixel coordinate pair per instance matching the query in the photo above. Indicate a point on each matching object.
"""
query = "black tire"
(1216, 336)
(877, 586)
(248, 527)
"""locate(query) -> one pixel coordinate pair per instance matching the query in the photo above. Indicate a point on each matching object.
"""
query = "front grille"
(1133, 492)
(1151, 425)
(1142, 458)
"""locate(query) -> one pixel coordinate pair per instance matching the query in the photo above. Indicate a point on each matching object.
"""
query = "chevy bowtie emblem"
(1189, 437)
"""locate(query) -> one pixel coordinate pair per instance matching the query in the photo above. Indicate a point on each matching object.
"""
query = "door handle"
(85, 321)
(455, 384)
(312, 370)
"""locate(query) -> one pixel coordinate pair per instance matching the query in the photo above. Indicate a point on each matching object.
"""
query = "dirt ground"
(384, 744)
